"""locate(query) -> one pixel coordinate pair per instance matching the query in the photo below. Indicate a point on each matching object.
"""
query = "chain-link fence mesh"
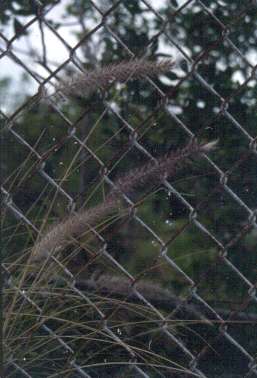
(111, 313)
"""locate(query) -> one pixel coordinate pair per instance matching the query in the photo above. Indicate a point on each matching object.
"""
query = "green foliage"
(194, 28)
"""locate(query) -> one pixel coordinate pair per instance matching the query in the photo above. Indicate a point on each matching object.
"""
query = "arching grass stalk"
(61, 234)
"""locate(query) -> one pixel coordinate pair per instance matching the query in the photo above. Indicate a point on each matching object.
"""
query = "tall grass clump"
(57, 321)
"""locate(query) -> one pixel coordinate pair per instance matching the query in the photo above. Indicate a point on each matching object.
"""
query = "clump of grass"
(91, 315)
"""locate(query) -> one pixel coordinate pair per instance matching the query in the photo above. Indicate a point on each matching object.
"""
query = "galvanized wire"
(222, 249)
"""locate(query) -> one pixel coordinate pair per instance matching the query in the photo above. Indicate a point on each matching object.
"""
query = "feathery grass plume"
(120, 287)
(110, 286)
(62, 234)
(165, 166)
(85, 84)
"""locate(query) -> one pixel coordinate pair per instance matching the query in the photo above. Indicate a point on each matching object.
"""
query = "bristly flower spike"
(85, 84)
(62, 234)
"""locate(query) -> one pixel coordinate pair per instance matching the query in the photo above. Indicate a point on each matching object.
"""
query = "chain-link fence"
(144, 293)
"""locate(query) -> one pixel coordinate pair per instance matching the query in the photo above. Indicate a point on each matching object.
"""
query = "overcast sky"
(56, 51)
